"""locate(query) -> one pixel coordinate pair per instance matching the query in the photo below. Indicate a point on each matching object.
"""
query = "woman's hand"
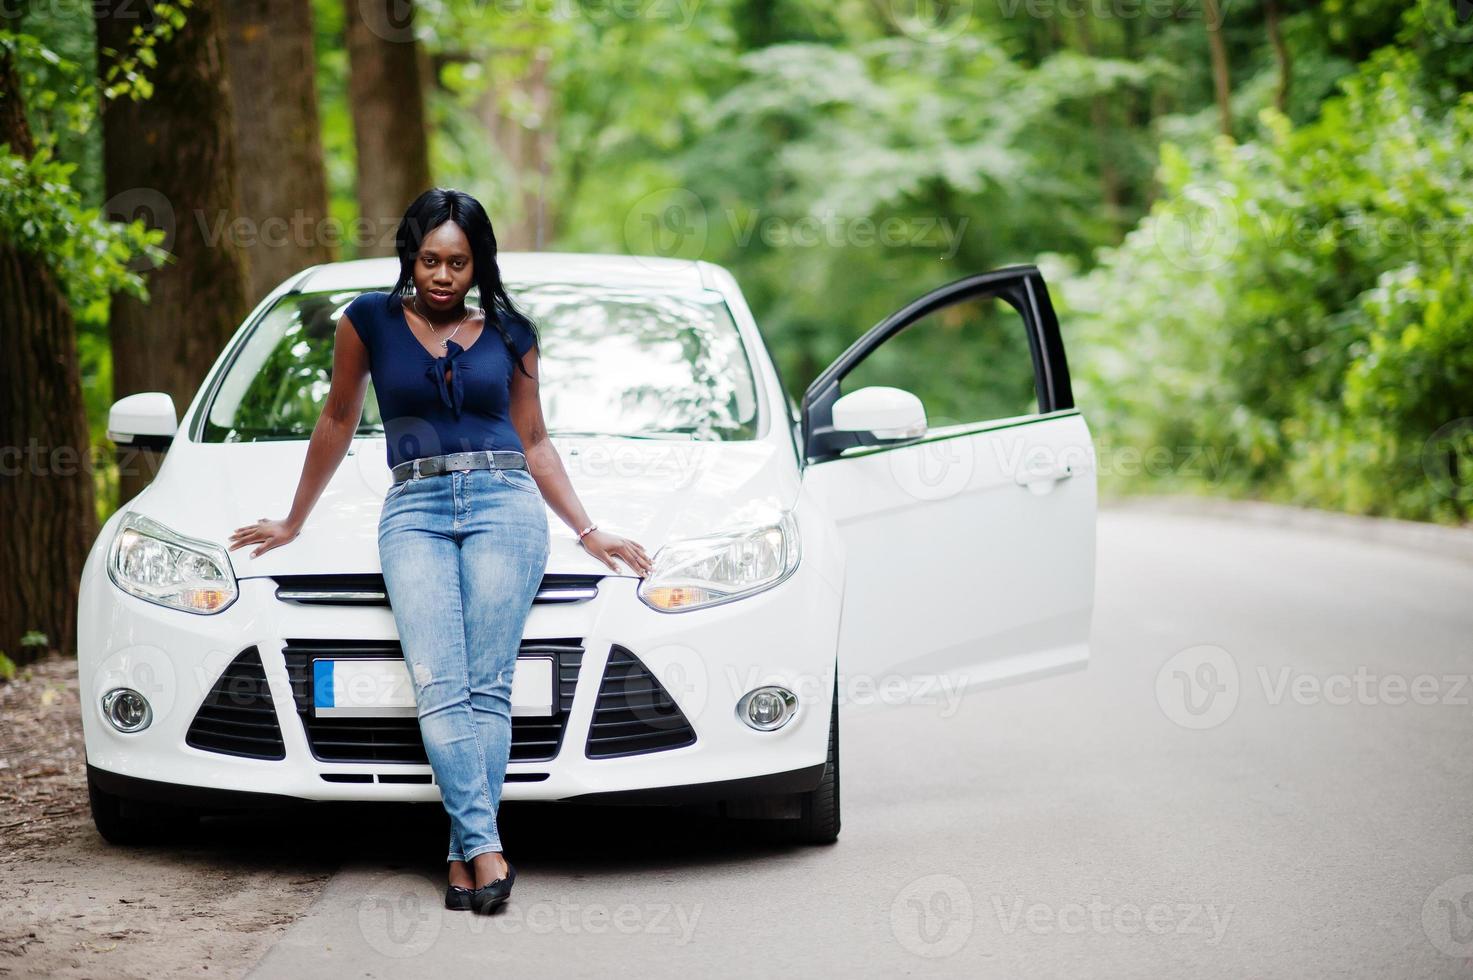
(605, 546)
(269, 534)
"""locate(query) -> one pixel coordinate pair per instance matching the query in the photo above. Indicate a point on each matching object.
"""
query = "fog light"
(126, 709)
(767, 708)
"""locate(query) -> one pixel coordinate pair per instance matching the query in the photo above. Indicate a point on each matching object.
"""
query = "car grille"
(238, 716)
(634, 714)
(397, 739)
(368, 589)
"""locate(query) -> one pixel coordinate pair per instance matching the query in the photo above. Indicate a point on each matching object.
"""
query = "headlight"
(159, 565)
(704, 571)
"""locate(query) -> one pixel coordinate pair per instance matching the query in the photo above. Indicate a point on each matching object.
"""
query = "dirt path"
(73, 906)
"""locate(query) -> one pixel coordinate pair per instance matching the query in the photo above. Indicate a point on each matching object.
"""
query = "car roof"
(527, 267)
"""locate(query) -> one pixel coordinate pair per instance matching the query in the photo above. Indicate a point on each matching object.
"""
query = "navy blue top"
(423, 414)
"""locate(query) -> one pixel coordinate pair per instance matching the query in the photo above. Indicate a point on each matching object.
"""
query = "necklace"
(444, 344)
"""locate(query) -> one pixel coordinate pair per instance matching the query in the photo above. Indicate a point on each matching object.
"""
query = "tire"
(124, 823)
(819, 820)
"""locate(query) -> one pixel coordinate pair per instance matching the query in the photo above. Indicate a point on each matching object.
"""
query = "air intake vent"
(397, 739)
(634, 714)
(368, 589)
(237, 716)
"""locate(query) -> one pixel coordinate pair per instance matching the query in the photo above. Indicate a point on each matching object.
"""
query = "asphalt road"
(1267, 770)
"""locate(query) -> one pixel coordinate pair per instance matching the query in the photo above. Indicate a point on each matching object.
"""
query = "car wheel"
(123, 822)
(818, 820)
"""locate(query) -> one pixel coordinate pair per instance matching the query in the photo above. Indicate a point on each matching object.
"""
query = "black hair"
(431, 210)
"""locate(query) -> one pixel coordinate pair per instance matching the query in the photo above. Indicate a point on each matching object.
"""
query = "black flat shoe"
(458, 898)
(485, 899)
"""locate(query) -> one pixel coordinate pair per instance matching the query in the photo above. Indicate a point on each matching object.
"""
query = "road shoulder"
(1418, 536)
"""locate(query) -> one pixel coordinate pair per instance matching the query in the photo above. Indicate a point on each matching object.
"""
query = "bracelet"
(591, 527)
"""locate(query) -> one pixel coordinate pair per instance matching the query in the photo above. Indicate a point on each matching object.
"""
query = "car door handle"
(1051, 473)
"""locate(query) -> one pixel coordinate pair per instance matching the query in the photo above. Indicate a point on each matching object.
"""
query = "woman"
(463, 540)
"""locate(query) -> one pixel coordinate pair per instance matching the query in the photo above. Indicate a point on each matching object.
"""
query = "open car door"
(946, 445)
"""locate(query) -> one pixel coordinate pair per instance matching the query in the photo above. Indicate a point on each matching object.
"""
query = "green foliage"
(1300, 304)
(1289, 313)
(47, 78)
(49, 200)
(126, 74)
(67, 65)
(40, 212)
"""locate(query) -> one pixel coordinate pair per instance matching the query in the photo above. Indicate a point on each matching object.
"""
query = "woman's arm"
(546, 467)
(331, 437)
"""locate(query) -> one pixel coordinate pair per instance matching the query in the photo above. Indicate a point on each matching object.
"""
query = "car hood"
(652, 491)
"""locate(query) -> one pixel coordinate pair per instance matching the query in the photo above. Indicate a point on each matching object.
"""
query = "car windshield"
(614, 361)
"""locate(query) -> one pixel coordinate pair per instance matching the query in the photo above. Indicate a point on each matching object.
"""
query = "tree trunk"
(174, 156)
(283, 187)
(49, 515)
(1221, 83)
(1281, 54)
(529, 151)
(386, 91)
(756, 23)
(1105, 134)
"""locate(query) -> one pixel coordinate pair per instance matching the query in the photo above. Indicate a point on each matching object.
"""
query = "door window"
(967, 362)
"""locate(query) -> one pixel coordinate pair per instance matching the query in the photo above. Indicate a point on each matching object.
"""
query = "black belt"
(481, 459)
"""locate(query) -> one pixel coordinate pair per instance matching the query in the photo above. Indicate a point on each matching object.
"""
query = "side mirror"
(882, 413)
(873, 416)
(146, 420)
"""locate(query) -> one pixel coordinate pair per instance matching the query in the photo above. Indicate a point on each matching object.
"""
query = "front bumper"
(208, 797)
(707, 659)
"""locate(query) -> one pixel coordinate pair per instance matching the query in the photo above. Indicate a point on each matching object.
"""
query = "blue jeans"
(463, 555)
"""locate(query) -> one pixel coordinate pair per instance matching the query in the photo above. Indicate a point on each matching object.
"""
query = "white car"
(848, 547)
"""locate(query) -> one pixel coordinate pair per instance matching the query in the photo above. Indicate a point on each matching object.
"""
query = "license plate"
(363, 688)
